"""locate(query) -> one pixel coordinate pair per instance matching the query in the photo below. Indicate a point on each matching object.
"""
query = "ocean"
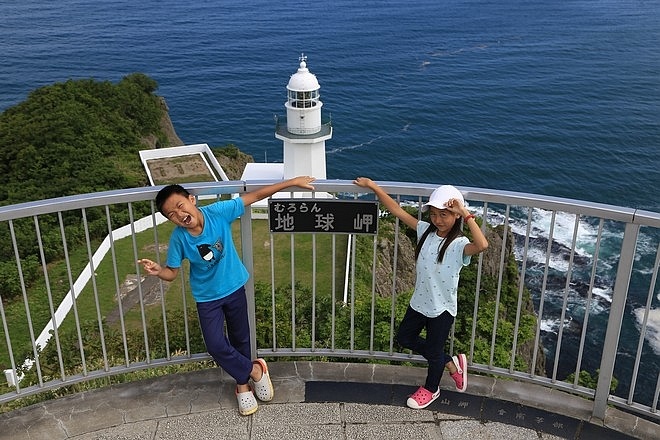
(557, 98)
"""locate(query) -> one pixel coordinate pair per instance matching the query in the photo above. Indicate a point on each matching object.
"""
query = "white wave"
(353, 147)
(644, 270)
(552, 325)
(597, 307)
(549, 325)
(646, 254)
(647, 244)
(562, 232)
(335, 150)
(603, 292)
(585, 241)
(652, 327)
(537, 255)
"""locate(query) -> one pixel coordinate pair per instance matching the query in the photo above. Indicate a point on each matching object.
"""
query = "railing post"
(615, 319)
(248, 261)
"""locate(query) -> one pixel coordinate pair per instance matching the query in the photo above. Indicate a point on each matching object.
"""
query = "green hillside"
(77, 137)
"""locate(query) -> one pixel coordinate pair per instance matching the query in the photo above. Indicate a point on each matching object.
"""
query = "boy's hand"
(304, 182)
(151, 267)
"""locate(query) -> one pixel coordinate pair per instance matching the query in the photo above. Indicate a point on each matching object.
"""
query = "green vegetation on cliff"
(77, 137)
(71, 138)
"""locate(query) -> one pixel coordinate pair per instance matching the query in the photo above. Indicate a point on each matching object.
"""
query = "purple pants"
(230, 350)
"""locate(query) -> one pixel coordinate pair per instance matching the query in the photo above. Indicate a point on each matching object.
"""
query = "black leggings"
(432, 348)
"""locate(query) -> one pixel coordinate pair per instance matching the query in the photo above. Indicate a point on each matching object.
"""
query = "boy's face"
(182, 211)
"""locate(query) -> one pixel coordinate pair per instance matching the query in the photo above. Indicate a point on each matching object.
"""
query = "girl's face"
(443, 219)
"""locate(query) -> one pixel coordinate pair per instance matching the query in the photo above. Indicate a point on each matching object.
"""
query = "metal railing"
(580, 295)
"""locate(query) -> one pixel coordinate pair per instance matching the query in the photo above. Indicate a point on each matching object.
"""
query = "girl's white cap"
(441, 195)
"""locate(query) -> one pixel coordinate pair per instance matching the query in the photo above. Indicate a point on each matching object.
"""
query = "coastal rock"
(167, 128)
(405, 270)
(232, 160)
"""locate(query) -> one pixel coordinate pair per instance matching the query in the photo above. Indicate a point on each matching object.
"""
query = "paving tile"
(317, 400)
(326, 391)
(384, 414)
(594, 432)
(426, 431)
(460, 404)
(528, 417)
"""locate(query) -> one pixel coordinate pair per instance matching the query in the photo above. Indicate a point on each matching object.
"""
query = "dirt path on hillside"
(130, 294)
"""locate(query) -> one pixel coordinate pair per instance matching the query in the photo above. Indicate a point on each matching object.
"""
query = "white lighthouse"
(303, 132)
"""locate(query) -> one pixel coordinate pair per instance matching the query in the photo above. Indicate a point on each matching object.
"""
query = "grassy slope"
(125, 255)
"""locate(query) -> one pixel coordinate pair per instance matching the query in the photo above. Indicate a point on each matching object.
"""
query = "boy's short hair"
(165, 194)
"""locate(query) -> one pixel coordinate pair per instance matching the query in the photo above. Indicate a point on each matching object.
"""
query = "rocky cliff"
(229, 157)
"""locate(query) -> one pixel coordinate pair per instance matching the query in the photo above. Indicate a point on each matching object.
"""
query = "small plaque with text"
(324, 216)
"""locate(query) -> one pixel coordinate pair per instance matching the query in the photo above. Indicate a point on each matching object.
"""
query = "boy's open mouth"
(187, 219)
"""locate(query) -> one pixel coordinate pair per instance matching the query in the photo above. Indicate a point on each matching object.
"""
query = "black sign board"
(325, 216)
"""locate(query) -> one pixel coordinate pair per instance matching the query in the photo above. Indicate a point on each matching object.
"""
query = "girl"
(442, 250)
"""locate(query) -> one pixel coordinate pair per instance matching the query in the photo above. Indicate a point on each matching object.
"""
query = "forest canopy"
(79, 136)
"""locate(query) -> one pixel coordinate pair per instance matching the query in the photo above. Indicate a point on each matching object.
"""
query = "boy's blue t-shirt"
(216, 270)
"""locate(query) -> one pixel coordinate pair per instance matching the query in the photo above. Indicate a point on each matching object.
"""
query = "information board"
(324, 216)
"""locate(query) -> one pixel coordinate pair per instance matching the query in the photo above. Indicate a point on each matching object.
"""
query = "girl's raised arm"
(388, 201)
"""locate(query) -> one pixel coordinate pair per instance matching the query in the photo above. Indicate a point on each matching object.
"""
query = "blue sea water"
(548, 97)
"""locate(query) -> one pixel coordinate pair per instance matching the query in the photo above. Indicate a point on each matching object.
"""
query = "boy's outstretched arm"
(267, 191)
(152, 268)
(388, 201)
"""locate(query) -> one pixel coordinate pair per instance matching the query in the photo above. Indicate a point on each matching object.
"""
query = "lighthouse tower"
(304, 134)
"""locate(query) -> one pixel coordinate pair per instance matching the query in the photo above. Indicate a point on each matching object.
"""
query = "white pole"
(348, 265)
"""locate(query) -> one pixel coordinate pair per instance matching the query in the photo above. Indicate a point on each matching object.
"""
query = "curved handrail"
(493, 205)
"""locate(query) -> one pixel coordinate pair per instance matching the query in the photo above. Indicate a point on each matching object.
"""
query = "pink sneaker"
(460, 376)
(422, 398)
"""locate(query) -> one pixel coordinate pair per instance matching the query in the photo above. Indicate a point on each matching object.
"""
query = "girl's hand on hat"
(455, 206)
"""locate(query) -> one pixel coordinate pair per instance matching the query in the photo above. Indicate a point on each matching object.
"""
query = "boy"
(217, 278)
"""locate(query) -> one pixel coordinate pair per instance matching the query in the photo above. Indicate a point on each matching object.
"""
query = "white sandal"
(247, 404)
(263, 388)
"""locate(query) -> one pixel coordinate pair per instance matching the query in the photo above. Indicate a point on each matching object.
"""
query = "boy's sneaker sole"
(247, 404)
(263, 388)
